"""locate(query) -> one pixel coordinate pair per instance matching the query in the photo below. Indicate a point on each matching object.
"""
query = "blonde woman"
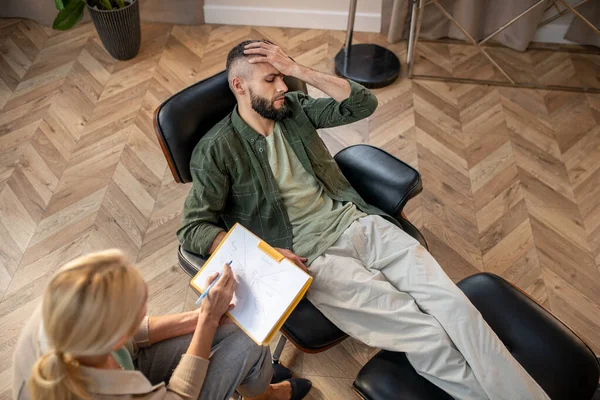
(91, 339)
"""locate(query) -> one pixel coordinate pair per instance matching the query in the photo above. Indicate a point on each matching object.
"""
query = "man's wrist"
(300, 71)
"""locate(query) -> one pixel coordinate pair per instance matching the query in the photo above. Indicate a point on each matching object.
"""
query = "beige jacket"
(185, 383)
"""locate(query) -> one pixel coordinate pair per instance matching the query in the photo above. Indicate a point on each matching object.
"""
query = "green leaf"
(106, 4)
(69, 16)
(61, 4)
(120, 3)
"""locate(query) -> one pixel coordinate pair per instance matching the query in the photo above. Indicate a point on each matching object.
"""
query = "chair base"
(370, 65)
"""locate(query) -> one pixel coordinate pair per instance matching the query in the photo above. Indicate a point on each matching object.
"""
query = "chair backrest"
(184, 118)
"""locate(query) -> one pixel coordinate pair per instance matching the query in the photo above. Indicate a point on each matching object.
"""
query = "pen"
(203, 295)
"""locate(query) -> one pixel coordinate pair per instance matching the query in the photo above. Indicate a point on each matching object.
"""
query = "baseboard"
(289, 18)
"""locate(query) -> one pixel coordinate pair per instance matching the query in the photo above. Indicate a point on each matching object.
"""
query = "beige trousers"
(380, 286)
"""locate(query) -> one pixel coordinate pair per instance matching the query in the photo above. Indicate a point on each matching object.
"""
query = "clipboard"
(248, 282)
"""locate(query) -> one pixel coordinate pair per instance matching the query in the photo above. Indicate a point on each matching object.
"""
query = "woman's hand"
(212, 309)
(299, 261)
(218, 301)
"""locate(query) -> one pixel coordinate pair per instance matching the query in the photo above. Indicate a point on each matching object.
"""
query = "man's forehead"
(264, 69)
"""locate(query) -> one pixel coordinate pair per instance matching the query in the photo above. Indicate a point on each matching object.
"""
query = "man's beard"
(265, 108)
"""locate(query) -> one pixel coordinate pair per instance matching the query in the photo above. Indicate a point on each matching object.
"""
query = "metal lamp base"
(370, 65)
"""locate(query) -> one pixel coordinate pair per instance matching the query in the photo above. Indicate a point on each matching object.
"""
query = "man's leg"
(366, 306)
(236, 363)
(410, 268)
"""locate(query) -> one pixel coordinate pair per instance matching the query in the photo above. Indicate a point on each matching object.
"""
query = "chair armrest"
(190, 262)
(380, 178)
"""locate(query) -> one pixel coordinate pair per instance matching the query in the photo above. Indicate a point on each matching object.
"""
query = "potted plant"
(117, 23)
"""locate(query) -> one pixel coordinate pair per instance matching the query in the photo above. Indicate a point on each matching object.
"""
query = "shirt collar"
(242, 127)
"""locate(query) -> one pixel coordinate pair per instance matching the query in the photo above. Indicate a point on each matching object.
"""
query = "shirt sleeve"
(188, 377)
(185, 383)
(205, 202)
(142, 337)
(327, 113)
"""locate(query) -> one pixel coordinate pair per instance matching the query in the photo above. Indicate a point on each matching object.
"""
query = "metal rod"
(566, 48)
(473, 41)
(552, 18)
(506, 25)
(350, 30)
(560, 14)
(420, 8)
(581, 17)
(507, 84)
(279, 348)
(411, 32)
(555, 5)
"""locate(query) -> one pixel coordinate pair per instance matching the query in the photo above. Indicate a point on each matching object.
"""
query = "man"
(265, 167)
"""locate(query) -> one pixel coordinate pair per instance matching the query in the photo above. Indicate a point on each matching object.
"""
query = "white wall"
(316, 14)
(555, 31)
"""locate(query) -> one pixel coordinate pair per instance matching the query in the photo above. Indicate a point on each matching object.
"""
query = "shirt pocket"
(241, 198)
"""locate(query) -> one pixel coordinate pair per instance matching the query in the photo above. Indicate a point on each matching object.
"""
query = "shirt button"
(261, 149)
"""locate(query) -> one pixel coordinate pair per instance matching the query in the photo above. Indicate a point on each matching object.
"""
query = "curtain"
(579, 32)
(482, 17)
(187, 12)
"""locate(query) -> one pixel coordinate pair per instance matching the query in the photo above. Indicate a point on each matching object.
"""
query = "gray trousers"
(380, 286)
(236, 363)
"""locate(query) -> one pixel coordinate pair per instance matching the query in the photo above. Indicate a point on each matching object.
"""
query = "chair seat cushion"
(552, 354)
(310, 330)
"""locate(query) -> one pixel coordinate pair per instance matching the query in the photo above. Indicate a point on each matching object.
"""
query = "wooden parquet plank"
(181, 62)
(447, 202)
(433, 59)
(502, 219)
(563, 295)
(124, 212)
(392, 126)
(571, 117)
(518, 65)
(468, 62)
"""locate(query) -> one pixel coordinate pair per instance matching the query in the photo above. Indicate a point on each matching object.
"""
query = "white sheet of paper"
(265, 288)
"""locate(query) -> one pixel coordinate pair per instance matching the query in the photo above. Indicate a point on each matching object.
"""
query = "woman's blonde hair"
(89, 306)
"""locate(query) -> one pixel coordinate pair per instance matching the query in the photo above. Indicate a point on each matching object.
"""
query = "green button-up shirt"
(233, 182)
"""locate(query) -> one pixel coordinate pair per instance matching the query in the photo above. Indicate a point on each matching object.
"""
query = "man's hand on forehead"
(268, 52)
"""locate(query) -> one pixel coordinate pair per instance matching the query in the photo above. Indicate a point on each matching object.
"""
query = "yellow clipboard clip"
(271, 252)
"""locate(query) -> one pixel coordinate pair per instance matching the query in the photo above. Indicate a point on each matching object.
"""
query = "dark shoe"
(280, 373)
(300, 388)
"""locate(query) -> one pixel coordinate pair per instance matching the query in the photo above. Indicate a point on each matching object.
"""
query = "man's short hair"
(235, 56)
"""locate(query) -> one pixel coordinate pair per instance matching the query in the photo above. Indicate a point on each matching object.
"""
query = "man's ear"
(238, 86)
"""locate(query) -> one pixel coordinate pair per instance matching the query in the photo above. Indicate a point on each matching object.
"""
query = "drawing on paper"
(265, 288)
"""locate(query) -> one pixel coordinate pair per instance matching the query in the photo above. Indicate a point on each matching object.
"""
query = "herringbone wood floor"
(511, 176)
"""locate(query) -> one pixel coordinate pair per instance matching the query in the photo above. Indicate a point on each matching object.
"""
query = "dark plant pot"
(119, 29)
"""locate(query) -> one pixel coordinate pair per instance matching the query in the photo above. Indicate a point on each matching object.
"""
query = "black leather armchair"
(562, 364)
(381, 179)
